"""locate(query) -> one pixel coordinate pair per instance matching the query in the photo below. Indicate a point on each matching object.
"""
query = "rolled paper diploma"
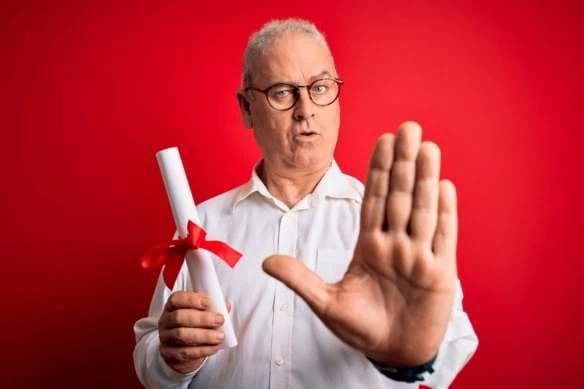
(199, 262)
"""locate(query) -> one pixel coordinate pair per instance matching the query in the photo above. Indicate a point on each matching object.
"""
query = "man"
(390, 311)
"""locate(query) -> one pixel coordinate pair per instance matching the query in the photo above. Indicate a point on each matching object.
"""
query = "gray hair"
(269, 32)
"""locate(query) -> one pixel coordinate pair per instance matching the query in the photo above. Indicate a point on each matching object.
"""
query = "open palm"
(396, 297)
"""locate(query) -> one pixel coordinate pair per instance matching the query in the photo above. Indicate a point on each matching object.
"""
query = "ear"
(244, 108)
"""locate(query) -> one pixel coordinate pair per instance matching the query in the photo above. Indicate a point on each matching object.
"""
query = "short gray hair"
(268, 33)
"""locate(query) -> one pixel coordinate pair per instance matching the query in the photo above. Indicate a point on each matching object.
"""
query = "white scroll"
(199, 262)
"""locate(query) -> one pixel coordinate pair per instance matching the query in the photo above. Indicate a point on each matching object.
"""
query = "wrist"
(174, 375)
(405, 374)
(187, 367)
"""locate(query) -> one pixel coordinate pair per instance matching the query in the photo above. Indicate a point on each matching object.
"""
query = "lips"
(308, 133)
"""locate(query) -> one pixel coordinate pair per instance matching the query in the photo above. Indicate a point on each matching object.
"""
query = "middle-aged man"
(364, 290)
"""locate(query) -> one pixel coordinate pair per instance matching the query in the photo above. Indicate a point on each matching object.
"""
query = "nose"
(304, 107)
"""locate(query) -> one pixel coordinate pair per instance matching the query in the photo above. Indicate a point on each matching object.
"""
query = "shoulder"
(220, 203)
(355, 184)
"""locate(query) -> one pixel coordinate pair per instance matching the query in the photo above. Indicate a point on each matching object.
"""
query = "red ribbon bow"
(172, 253)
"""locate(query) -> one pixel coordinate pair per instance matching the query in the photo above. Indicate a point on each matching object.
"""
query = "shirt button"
(280, 362)
(283, 307)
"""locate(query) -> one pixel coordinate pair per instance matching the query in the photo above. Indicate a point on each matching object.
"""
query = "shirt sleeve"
(151, 369)
(458, 346)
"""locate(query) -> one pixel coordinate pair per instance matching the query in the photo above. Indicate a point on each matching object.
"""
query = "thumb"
(306, 283)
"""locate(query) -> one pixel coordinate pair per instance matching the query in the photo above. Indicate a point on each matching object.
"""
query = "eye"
(281, 93)
(319, 89)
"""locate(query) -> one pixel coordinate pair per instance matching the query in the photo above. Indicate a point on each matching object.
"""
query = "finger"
(228, 304)
(192, 318)
(425, 209)
(190, 337)
(377, 184)
(182, 299)
(403, 172)
(447, 230)
(181, 355)
(294, 274)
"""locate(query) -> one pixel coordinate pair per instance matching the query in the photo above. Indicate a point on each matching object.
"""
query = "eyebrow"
(323, 74)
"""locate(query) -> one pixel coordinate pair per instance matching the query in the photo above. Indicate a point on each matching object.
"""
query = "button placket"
(282, 314)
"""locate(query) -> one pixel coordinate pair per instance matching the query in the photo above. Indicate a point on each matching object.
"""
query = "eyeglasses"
(283, 96)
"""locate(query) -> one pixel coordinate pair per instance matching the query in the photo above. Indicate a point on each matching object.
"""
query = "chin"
(310, 161)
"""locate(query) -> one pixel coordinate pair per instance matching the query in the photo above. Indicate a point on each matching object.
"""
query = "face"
(303, 137)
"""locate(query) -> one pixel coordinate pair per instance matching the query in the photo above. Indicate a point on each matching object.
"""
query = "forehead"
(293, 57)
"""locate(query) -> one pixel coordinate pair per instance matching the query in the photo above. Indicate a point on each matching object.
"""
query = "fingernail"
(219, 319)
(220, 336)
(206, 303)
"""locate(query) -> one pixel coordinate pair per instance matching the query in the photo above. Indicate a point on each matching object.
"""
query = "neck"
(290, 185)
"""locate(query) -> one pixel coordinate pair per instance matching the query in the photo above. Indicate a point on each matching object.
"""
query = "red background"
(90, 92)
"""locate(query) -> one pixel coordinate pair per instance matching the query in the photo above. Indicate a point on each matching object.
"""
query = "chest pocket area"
(331, 264)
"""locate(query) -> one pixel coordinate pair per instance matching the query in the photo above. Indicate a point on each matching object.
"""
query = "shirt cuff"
(175, 375)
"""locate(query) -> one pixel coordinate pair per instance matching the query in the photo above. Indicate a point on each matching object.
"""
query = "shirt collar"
(333, 184)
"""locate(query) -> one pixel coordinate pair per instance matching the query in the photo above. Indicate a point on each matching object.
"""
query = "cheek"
(277, 123)
(270, 131)
(333, 118)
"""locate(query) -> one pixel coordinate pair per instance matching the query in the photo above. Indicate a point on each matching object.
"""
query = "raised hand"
(396, 297)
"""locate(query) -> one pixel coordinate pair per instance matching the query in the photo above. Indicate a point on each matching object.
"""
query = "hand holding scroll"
(188, 331)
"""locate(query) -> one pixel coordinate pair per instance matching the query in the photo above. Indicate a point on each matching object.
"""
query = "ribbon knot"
(196, 237)
(171, 254)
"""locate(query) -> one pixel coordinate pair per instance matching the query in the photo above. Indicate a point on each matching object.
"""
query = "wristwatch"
(405, 374)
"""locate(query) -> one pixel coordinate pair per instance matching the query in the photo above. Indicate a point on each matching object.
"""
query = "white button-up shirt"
(282, 343)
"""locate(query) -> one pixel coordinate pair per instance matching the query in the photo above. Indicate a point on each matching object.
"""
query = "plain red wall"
(90, 92)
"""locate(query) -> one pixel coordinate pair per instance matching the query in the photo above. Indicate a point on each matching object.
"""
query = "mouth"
(307, 134)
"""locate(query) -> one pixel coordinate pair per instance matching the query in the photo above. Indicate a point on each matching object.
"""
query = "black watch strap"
(405, 374)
